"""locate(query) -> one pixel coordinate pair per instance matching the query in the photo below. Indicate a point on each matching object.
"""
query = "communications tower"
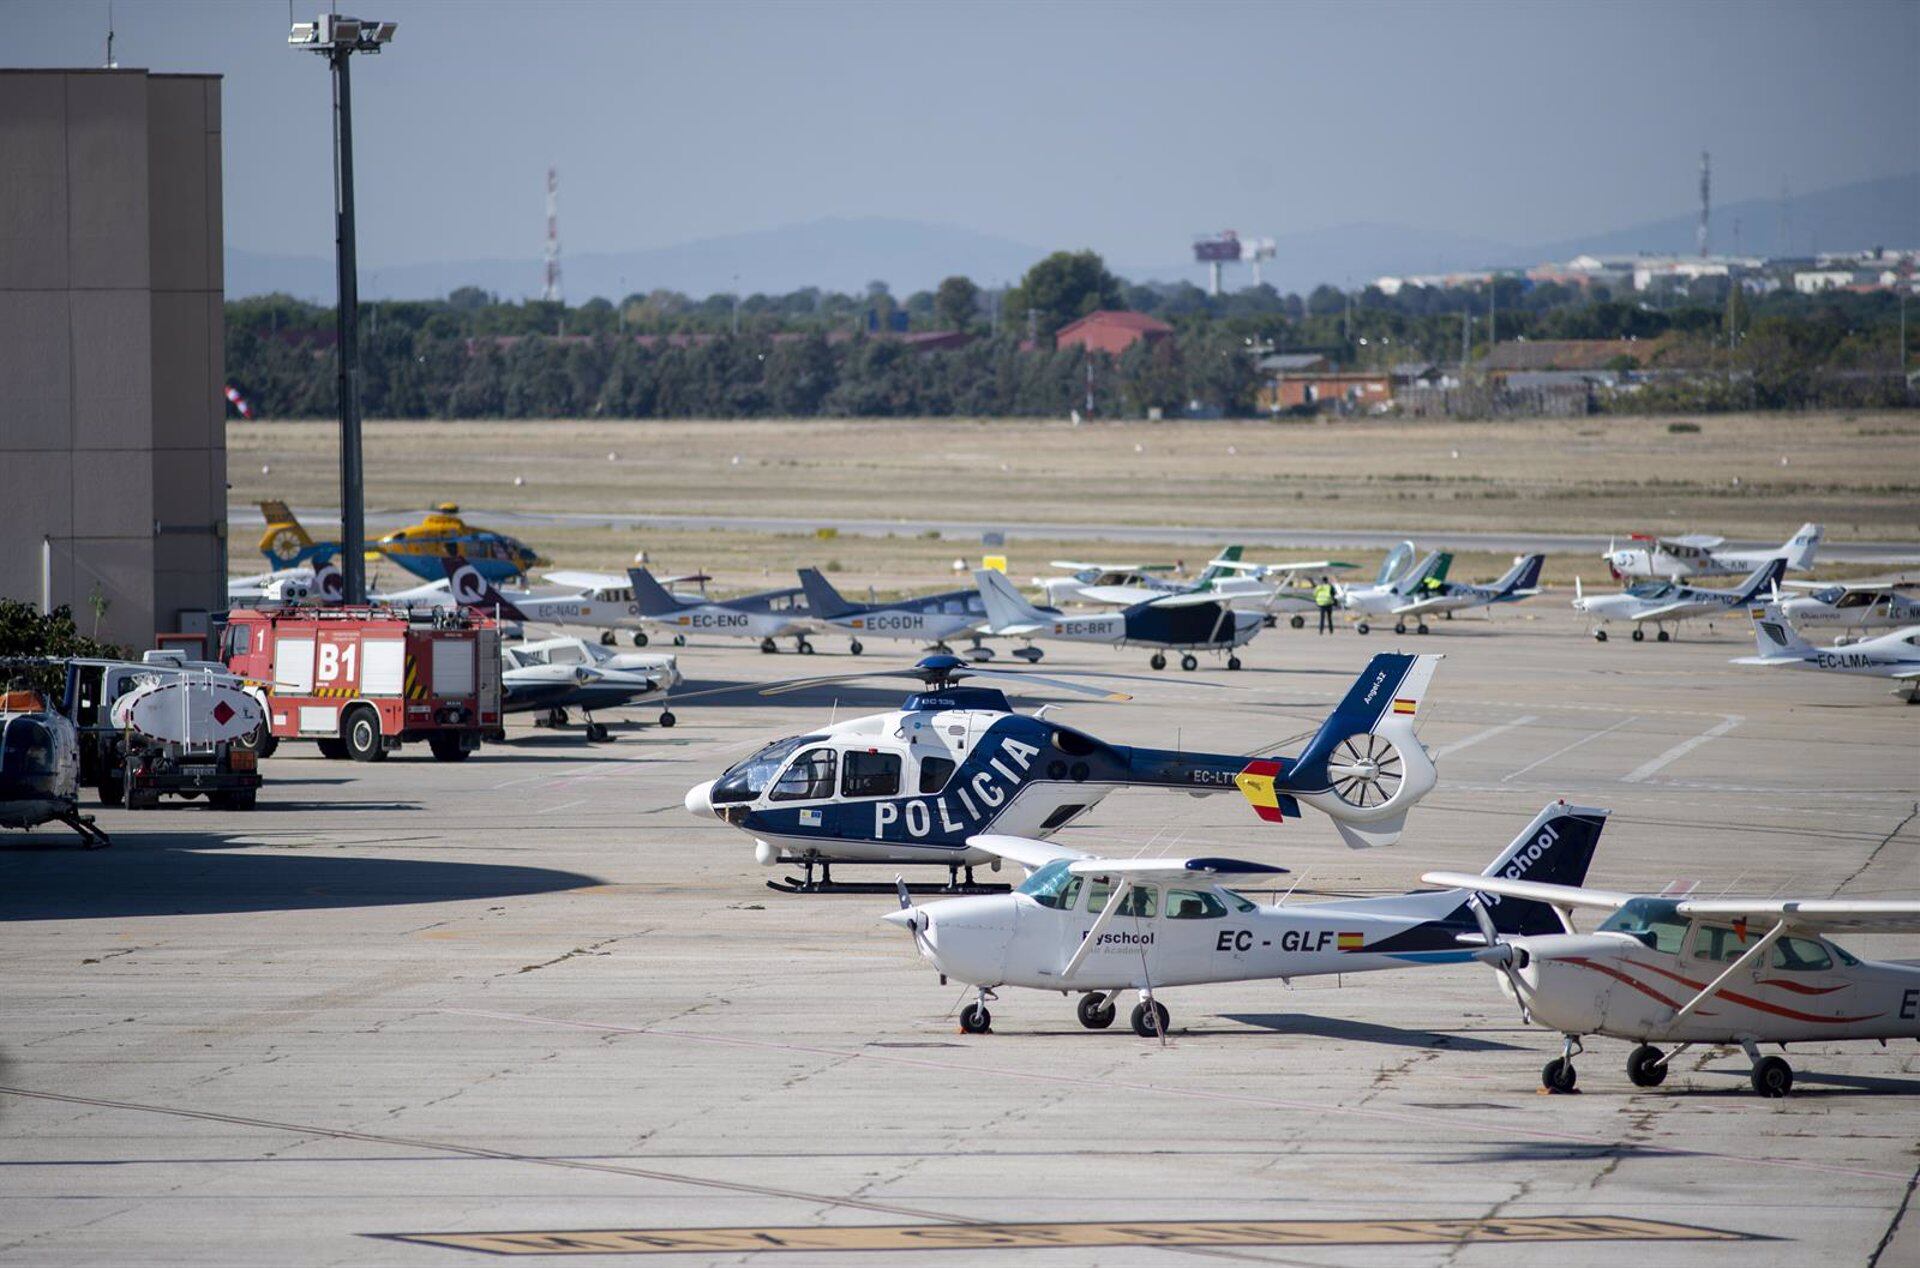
(551, 293)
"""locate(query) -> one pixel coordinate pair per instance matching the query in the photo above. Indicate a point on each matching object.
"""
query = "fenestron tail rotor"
(1365, 770)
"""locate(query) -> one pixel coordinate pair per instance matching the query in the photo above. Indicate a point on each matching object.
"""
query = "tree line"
(811, 353)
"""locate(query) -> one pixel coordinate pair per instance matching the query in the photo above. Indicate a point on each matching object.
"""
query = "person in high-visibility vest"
(1323, 599)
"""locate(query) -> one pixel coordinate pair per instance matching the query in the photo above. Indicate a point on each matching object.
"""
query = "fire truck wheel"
(447, 748)
(260, 740)
(362, 734)
(333, 750)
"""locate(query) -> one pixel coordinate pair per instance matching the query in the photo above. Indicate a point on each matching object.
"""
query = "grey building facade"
(112, 359)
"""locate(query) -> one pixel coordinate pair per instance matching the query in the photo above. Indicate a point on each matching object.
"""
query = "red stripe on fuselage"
(1762, 1005)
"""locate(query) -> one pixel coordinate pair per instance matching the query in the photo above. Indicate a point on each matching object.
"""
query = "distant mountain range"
(844, 254)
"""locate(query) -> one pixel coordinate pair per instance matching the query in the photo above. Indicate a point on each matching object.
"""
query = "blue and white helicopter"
(955, 761)
(929, 618)
(1188, 622)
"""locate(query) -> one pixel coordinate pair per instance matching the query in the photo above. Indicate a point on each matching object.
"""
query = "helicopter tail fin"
(1365, 768)
(285, 542)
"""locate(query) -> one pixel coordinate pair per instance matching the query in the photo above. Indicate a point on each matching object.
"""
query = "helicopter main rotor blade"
(1044, 680)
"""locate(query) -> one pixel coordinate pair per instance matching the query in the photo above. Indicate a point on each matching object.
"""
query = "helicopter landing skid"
(92, 836)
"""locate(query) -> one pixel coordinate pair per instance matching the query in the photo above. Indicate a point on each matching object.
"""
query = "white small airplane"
(1382, 597)
(1184, 623)
(1895, 655)
(559, 674)
(1274, 588)
(1101, 926)
(1111, 585)
(1850, 606)
(1435, 595)
(1664, 603)
(1715, 971)
(614, 591)
(929, 618)
(1677, 558)
(769, 615)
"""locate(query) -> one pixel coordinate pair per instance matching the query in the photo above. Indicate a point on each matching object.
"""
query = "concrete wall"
(111, 345)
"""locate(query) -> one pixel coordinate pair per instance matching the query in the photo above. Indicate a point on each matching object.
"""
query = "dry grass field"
(1744, 476)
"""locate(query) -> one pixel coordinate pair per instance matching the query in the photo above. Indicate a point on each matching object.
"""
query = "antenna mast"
(552, 292)
(1706, 200)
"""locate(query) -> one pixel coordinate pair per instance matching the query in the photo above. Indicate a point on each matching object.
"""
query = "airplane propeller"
(908, 916)
(1499, 954)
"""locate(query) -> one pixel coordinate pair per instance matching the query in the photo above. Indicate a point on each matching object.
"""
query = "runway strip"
(1680, 750)
(1108, 1085)
(1586, 739)
(1489, 733)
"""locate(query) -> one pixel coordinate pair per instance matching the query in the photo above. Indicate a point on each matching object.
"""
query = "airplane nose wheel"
(855, 647)
(1233, 662)
(1599, 636)
(1647, 1066)
(1639, 636)
(1096, 1011)
(606, 638)
(1661, 637)
(767, 646)
(679, 640)
(974, 1018)
(1298, 622)
(1158, 661)
(1558, 1074)
(1362, 628)
(640, 638)
(1399, 627)
(1150, 1019)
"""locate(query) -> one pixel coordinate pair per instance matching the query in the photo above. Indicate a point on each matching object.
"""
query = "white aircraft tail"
(1775, 636)
(1802, 547)
(1005, 605)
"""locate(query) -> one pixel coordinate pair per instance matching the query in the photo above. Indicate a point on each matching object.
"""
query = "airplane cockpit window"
(1053, 886)
(566, 654)
(1717, 944)
(1654, 921)
(1801, 955)
(809, 778)
(870, 774)
(1141, 900)
(934, 773)
(1193, 904)
(747, 779)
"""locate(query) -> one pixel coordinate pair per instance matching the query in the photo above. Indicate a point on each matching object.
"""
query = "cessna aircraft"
(465, 586)
(615, 591)
(766, 616)
(913, 785)
(1895, 655)
(1382, 597)
(1520, 582)
(1132, 582)
(930, 618)
(558, 674)
(420, 548)
(1677, 558)
(1185, 623)
(1715, 971)
(1670, 602)
(1268, 589)
(1852, 607)
(1100, 926)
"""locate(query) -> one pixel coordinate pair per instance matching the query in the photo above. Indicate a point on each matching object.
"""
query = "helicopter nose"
(700, 799)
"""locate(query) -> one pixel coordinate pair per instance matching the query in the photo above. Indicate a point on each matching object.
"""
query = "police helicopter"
(955, 761)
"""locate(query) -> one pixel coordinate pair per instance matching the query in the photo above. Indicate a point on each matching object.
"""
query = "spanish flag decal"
(1352, 942)
(1404, 706)
(1256, 785)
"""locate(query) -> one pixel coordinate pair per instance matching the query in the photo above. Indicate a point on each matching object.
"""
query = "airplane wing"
(1671, 611)
(586, 580)
(1157, 871)
(1438, 602)
(1536, 891)
(1116, 596)
(1190, 599)
(1025, 851)
(1830, 915)
(1297, 565)
(1081, 565)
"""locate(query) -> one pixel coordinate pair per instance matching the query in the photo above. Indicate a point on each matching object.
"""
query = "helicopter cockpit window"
(26, 748)
(809, 778)
(870, 774)
(934, 773)
(746, 780)
(1654, 921)
(1053, 886)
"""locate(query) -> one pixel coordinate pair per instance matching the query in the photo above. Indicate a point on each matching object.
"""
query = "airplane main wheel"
(855, 647)
(1639, 635)
(1399, 627)
(1096, 1011)
(640, 638)
(805, 648)
(1420, 628)
(1158, 661)
(667, 718)
(1661, 637)
(1233, 662)
(1189, 662)
(1298, 622)
(1646, 1067)
(975, 1020)
(597, 733)
(1558, 1075)
(606, 638)
(766, 645)
(1599, 636)
(1362, 628)
(1772, 1077)
(679, 640)
(1149, 1025)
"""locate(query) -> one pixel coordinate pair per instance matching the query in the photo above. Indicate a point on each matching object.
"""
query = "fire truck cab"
(362, 681)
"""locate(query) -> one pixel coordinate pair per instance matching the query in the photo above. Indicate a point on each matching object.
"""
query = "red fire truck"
(362, 681)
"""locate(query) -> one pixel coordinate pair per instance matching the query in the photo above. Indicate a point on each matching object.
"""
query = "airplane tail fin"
(1555, 849)
(1005, 605)
(1763, 579)
(1214, 572)
(822, 599)
(1774, 636)
(650, 596)
(285, 541)
(1802, 547)
(1365, 768)
(471, 588)
(1435, 565)
(1524, 575)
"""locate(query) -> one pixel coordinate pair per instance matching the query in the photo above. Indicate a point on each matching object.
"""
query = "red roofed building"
(1111, 332)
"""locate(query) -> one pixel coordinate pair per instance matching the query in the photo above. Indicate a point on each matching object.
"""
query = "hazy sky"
(1127, 127)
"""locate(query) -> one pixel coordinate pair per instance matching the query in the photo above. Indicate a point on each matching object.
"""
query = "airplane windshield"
(1654, 921)
(1053, 886)
(746, 780)
(1651, 589)
(1832, 594)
